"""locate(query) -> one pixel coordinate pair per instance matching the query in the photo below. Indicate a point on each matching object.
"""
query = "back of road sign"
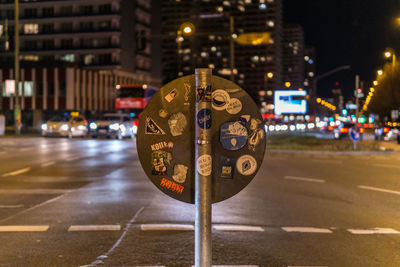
(166, 139)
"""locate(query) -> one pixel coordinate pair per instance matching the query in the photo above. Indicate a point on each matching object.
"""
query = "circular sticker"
(246, 165)
(204, 165)
(234, 106)
(204, 118)
(220, 99)
(233, 135)
(163, 113)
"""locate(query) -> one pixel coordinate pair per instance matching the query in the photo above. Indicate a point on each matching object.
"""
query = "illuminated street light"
(375, 83)
(380, 72)
(389, 53)
(288, 84)
(187, 28)
(270, 75)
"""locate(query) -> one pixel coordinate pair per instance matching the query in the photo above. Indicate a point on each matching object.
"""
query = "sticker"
(246, 165)
(151, 127)
(160, 161)
(234, 106)
(204, 165)
(161, 145)
(171, 186)
(187, 93)
(204, 94)
(256, 135)
(233, 135)
(180, 172)
(163, 113)
(227, 167)
(220, 99)
(171, 95)
(204, 118)
(231, 91)
(244, 118)
(177, 124)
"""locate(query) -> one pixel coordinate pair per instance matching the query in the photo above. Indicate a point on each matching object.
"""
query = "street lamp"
(186, 29)
(380, 72)
(389, 53)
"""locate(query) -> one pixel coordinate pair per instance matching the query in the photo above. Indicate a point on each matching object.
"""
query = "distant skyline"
(346, 32)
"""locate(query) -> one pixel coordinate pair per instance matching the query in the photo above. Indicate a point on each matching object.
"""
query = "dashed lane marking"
(386, 166)
(238, 228)
(168, 227)
(21, 171)
(307, 230)
(34, 191)
(47, 164)
(72, 159)
(373, 231)
(25, 149)
(379, 189)
(83, 228)
(11, 206)
(24, 228)
(304, 179)
(327, 161)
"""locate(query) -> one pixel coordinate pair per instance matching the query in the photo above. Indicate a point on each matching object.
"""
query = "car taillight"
(344, 130)
(361, 130)
(136, 123)
(330, 128)
(386, 129)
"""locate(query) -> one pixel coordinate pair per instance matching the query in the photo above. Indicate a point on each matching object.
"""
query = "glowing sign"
(290, 102)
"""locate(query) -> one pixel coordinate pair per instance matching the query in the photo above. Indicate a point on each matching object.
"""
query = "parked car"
(343, 131)
(68, 126)
(387, 133)
(113, 125)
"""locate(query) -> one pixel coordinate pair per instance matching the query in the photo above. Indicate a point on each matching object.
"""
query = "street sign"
(355, 134)
(166, 138)
(254, 38)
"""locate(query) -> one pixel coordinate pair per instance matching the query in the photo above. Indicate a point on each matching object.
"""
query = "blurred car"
(113, 125)
(68, 126)
(343, 131)
(387, 133)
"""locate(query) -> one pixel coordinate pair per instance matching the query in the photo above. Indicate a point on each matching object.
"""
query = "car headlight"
(134, 129)
(114, 126)
(93, 126)
(81, 127)
(64, 127)
(44, 126)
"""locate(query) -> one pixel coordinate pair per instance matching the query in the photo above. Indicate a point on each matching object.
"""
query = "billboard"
(290, 102)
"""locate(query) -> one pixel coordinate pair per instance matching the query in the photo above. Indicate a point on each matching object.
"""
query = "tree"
(386, 96)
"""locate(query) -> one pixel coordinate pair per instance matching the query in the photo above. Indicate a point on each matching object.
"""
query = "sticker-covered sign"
(171, 95)
(177, 124)
(204, 118)
(180, 172)
(220, 99)
(160, 161)
(227, 167)
(233, 135)
(246, 165)
(162, 145)
(256, 135)
(204, 94)
(151, 127)
(234, 106)
(204, 165)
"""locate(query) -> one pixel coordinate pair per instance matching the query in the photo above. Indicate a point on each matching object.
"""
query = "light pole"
(389, 53)
(319, 77)
(17, 111)
(186, 29)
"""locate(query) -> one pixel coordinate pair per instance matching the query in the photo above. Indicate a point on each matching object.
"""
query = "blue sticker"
(204, 118)
(233, 135)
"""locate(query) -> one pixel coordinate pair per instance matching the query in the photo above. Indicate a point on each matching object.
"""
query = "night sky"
(347, 32)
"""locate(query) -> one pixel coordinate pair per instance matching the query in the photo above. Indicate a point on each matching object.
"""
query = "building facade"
(210, 44)
(293, 56)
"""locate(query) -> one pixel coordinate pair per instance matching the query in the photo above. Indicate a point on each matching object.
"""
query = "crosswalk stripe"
(82, 228)
(238, 228)
(373, 231)
(24, 228)
(307, 230)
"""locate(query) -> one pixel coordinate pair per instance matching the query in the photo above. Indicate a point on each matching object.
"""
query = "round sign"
(166, 139)
(355, 134)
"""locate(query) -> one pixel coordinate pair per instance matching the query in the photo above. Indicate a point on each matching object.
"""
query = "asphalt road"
(87, 202)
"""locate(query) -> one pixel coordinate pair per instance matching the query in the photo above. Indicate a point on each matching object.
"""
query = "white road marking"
(47, 164)
(71, 159)
(80, 228)
(16, 172)
(238, 228)
(304, 179)
(24, 228)
(11, 206)
(373, 231)
(327, 161)
(34, 191)
(25, 149)
(167, 227)
(307, 230)
(379, 189)
(386, 166)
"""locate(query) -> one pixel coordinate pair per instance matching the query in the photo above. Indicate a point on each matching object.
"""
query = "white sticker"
(163, 113)
(246, 165)
(204, 165)
(220, 99)
(234, 106)
(177, 124)
(180, 172)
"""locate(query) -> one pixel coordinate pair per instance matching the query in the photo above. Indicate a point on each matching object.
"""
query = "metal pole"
(232, 47)
(357, 110)
(203, 150)
(17, 111)
(179, 44)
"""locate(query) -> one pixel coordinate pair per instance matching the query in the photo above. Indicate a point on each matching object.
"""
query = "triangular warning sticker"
(152, 128)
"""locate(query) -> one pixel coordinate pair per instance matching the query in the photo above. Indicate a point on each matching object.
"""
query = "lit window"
(204, 54)
(270, 23)
(311, 74)
(310, 61)
(213, 48)
(68, 58)
(255, 58)
(211, 37)
(241, 8)
(31, 58)
(262, 6)
(211, 66)
(247, 1)
(31, 28)
(306, 58)
(226, 3)
(220, 9)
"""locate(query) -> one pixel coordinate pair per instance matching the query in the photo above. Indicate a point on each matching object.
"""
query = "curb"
(311, 152)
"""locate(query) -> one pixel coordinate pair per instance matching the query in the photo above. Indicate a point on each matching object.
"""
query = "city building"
(97, 38)
(310, 59)
(257, 68)
(293, 56)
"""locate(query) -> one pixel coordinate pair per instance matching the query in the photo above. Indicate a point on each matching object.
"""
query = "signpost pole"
(203, 256)
(357, 109)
